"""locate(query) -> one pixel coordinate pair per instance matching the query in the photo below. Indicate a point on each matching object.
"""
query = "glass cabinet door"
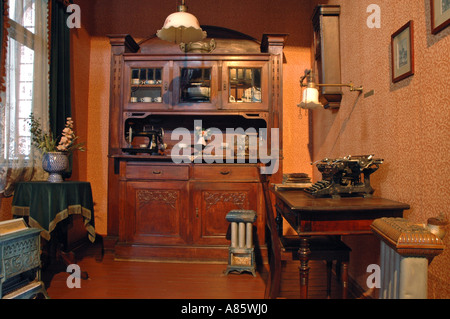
(245, 85)
(195, 85)
(148, 86)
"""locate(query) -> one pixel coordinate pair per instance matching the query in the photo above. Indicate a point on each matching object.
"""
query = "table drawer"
(231, 172)
(157, 172)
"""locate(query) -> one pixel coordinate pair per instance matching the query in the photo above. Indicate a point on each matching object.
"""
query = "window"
(26, 77)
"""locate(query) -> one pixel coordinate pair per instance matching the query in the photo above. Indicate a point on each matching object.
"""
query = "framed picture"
(440, 15)
(402, 49)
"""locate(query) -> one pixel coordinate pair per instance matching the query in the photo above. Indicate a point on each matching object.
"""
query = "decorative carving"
(21, 255)
(407, 238)
(117, 71)
(167, 197)
(239, 199)
(198, 47)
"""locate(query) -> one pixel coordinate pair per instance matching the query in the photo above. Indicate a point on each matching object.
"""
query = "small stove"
(20, 261)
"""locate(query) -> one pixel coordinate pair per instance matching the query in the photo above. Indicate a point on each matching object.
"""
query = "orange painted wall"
(80, 70)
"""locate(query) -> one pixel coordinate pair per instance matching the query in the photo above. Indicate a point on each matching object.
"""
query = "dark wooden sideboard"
(166, 209)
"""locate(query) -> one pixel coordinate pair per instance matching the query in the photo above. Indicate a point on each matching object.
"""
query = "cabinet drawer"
(231, 172)
(157, 172)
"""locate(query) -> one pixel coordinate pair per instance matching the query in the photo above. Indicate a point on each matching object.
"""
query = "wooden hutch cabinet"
(167, 200)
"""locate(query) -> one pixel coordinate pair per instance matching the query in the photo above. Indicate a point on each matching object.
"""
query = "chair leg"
(329, 268)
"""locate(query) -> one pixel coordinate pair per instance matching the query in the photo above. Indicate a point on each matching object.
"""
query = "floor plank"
(110, 278)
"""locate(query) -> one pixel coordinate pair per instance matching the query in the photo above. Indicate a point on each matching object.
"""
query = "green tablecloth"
(46, 204)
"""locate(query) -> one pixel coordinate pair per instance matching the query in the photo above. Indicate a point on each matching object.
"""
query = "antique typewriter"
(347, 176)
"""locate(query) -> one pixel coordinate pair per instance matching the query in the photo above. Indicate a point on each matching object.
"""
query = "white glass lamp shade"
(181, 27)
(310, 99)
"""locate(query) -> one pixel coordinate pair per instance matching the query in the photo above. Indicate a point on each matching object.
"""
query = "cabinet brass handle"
(225, 172)
(157, 172)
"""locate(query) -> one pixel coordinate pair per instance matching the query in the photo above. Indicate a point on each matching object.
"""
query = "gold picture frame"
(402, 52)
(440, 15)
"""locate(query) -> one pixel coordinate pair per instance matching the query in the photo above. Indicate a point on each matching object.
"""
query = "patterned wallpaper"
(406, 123)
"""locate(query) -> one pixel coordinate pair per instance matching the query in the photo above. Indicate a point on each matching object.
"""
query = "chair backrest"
(274, 247)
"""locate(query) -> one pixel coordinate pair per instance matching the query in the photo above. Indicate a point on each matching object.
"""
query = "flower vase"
(55, 163)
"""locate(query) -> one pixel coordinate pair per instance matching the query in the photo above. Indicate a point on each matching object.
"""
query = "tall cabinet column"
(120, 44)
(274, 44)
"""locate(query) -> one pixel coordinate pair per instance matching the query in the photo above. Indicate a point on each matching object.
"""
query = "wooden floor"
(116, 279)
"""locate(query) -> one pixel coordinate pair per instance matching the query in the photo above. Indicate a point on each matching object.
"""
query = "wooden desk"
(310, 216)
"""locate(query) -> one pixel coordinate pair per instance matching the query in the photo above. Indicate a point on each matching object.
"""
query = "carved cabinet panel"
(156, 212)
(187, 212)
(212, 202)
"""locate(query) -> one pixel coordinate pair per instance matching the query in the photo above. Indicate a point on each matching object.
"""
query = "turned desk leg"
(344, 280)
(304, 253)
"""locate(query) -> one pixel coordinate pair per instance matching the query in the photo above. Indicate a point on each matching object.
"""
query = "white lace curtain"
(27, 90)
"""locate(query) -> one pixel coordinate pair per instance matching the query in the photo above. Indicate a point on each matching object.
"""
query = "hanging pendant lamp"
(181, 27)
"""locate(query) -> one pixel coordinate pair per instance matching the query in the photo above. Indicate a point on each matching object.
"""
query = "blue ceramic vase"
(55, 163)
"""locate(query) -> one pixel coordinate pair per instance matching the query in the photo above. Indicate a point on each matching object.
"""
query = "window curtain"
(60, 98)
(3, 38)
(19, 161)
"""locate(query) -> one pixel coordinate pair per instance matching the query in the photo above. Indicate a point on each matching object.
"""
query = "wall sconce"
(311, 93)
(181, 28)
